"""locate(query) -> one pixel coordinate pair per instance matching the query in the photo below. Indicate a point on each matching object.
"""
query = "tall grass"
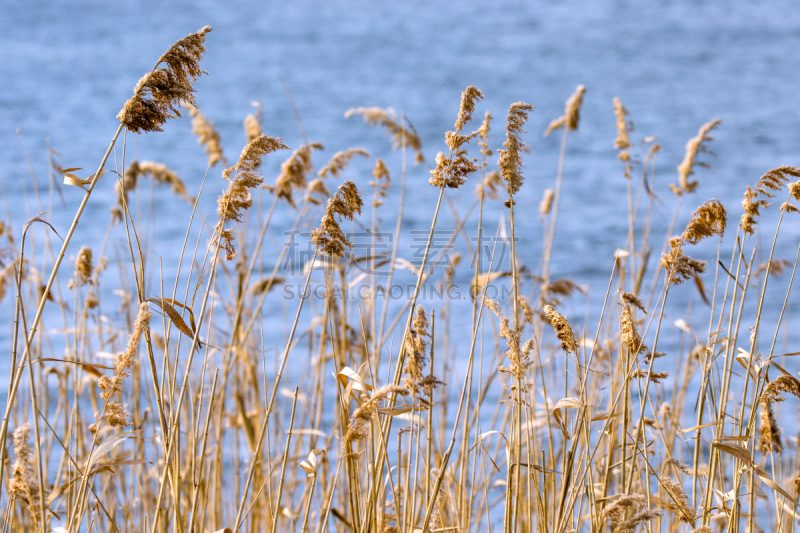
(166, 413)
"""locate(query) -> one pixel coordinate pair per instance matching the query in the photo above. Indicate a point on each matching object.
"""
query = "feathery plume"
(24, 484)
(345, 204)
(453, 171)
(469, 98)
(83, 267)
(678, 266)
(510, 161)
(206, 135)
(682, 510)
(694, 147)
(563, 329)
(293, 173)
(483, 136)
(490, 186)
(387, 119)
(709, 219)
(252, 124)
(416, 348)
(158, 172)
(381, 183)
(627, 505)
(316, 187)
(158, 94)
(242, 177)
(340, 160)
(622, 142)
(770, 440)
(115, 413)
(771, 182)
(783, 383)
(517, 354)
(572, 113)
(627, 325)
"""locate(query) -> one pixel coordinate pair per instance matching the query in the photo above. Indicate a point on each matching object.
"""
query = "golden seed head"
(510, 161)
(339, 162)
(160, 92)
(572, 113)
(206, 135)
(344, 204)
(695, 146)
(563, 329)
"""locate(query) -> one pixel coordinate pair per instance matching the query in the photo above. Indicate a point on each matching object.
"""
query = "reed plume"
(344, 204)
(252, 124)
(316, 188)
(770, 183)
(242, 177)
(24, 484)
(782, 384)
(770, 440)
(628, 334)
(115, 413)
(380, 183)
(387, 119)
(339, 162)
(572, 113)
(452, 171)
(696, 145)
(206, 135)
(510, 161)
(709, 219)
(160, 92)
(83, 267)
(563, 329)
(622, 142)
(158, 172)
(416, 348)
(294, 172)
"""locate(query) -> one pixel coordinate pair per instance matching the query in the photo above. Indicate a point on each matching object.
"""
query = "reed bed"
(152, 403)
